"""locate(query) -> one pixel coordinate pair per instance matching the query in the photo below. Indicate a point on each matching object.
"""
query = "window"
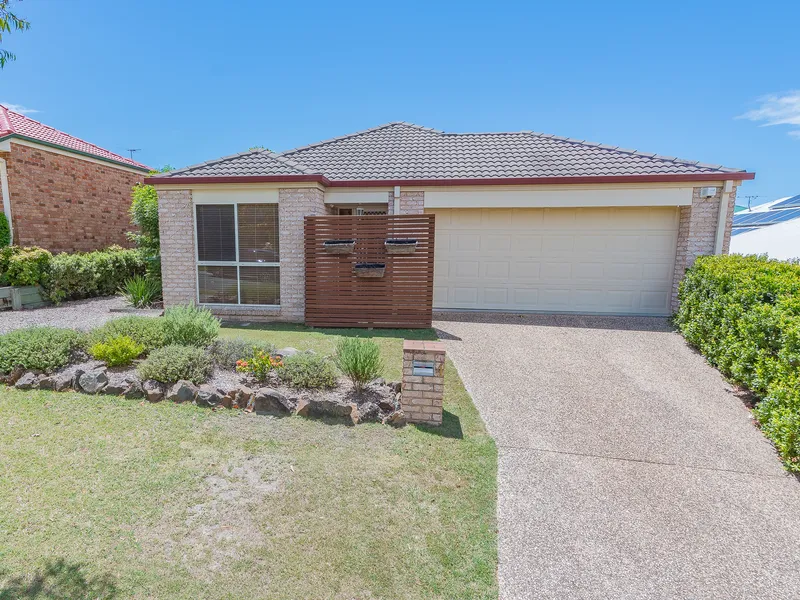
(238, 254)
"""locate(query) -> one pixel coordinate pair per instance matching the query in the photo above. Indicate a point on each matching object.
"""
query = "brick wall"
(411, 203)
(293, 205)
(421, 396)
(65, 203)
(697, 233)
(176, 228)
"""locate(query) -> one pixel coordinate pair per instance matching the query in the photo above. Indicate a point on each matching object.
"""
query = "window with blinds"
(238, 254)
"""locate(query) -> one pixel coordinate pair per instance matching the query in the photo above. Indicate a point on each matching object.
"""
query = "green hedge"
(85, 275)
(743, 314)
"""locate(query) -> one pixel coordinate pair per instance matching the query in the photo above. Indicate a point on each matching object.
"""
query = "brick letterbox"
(423, 381)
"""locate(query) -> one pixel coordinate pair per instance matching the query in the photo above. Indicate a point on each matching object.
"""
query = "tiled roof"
(403, 151)
(244, 164)
(14, 123)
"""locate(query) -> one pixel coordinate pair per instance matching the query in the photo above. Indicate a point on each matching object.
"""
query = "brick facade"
(421, 397)
(697, 233)
(67, 203)
(411, 203)
(176, 228)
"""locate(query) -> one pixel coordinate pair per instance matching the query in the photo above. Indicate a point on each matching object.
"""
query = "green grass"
(105, 497)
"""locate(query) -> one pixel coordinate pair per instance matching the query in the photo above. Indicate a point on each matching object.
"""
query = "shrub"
(117, 351)
(28, 266)
(144, 215)
(190, 326)
(259, 365)
(38, 348)
(308, 370)
(141, 292)
(5, 231)
(743, 314)
(359, 359)
(147, 331)
(226, 352)
(172, 363)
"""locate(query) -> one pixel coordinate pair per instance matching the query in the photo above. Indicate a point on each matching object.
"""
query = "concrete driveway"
(628, 467)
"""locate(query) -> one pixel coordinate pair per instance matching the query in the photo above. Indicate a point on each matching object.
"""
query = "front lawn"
(106, 497)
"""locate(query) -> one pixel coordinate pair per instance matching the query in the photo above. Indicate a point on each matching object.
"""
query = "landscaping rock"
(91, 382)
(268, 400)
(368, 411)
(397, 418)
(378, 381)
(329, 408)
(27, 382)
(208, 396)
(287, 351)
(154, 390)
(387, 404)
(59, 382)
(118, 384)
(12, 377)
(134, 390)
(183, 391)
(395, 386)
(243, 397)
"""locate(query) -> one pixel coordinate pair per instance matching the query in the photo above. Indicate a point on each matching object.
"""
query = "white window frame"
(231, 263)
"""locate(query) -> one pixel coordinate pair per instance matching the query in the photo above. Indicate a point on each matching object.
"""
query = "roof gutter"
(666, 178)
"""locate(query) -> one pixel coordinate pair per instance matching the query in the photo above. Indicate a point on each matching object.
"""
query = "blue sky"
(191, 81)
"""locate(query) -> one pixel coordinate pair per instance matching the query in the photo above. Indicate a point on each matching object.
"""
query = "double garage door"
(591, 260)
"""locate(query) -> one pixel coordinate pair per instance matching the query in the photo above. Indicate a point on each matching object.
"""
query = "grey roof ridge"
(356, 134)
(671, 159)
(287, 162)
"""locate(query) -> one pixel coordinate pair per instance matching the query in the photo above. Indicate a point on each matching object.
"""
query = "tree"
(9, 22)
(144, 214)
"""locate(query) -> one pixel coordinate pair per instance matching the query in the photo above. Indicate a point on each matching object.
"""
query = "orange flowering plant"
(259, 365)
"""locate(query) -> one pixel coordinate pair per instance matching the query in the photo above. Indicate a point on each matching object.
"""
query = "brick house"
(524, 221)
(60, 192)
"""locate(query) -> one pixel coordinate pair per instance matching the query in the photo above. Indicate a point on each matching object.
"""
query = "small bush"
(147, 331)
(117, 351)
(308, 370)
(141, 292)
(259, 365)
(89, 274)
(743, 314)
(172, 363)
(190, 326)
(359, 359)
(5, 231)
(28, 266)
(226, 352)
(38, 348)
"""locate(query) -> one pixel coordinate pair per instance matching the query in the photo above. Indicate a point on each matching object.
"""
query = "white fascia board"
(564, 198)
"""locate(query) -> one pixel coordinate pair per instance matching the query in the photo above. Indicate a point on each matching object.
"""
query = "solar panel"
(779, 216)
(739, 230)
(789, 202)
(749, 218)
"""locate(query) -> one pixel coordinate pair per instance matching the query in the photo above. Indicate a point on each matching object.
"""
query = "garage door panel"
(612, 260)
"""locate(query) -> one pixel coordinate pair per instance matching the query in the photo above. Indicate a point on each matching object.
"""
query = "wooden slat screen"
(336, 297)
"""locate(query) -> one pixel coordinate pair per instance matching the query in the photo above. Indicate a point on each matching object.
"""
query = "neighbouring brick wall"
(411, 203)
(176, 228)
(293, 205)
(697, 233)
(65, 203)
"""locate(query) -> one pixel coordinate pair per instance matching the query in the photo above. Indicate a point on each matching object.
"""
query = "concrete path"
(628, 466)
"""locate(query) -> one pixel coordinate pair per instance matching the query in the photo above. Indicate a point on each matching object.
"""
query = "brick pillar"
(293, 205)
(421, 397)
(411, 203)
(176, 229)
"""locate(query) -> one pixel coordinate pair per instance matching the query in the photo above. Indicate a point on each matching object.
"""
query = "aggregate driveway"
(628, 467)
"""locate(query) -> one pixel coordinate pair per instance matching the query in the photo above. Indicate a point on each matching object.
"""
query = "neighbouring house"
(772, 228)
(60, 192)
(523, 221)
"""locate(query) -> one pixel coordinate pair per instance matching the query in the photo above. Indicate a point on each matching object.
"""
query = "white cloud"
(777, 109)
(18, 108)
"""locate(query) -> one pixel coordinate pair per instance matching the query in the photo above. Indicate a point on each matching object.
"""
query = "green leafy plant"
(743, 314)
(308, 370)
(259, 365)
(9, 22)
(141, 291)
(190, 326)
(89, 274)
(172, 363)
(5, 231)
(117, 351)
(38, 348)
(226, 352)
(147, 331)
(359, 359)
(28, 266)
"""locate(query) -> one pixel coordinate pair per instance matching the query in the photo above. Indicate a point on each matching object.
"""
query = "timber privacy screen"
(369, 286)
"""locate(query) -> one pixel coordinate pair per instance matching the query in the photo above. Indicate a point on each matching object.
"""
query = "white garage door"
(593, 260)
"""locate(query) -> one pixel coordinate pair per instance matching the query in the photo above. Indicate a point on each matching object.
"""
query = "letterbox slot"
(423, 368)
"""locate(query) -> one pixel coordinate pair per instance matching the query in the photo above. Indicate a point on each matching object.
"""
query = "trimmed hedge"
(89, 274)
(743, 314)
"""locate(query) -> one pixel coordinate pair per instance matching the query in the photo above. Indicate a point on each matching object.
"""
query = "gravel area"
(628, 467)
(80, 314)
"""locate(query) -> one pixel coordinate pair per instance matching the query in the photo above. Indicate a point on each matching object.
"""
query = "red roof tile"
(14, 123)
